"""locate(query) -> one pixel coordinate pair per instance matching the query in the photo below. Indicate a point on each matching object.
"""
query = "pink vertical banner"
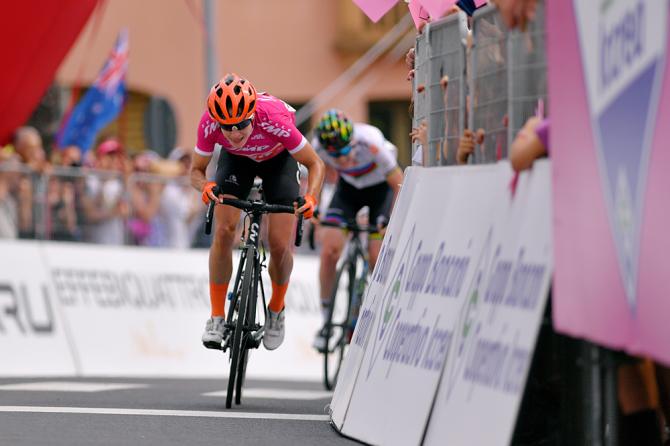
(375, 9)
(610, 159)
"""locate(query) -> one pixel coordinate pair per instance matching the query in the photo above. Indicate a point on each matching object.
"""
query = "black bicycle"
(341, 319)
(242, 330)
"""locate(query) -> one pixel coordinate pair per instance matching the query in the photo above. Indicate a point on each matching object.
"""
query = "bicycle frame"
(244, 332)
(252, 240)
(347, 264)
(353, 251)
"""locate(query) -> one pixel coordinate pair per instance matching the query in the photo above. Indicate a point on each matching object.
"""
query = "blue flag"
(101, 103)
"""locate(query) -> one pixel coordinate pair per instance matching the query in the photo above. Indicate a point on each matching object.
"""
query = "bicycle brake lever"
(298, 229)
(209, 217)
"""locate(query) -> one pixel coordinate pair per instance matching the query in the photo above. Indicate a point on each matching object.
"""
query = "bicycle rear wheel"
(337, 327)
(236, 348)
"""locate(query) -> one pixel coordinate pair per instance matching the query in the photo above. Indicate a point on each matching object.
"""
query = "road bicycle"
(243, 330)
(351, 276)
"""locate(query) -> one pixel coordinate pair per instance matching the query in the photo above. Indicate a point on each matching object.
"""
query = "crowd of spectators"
(108, 195)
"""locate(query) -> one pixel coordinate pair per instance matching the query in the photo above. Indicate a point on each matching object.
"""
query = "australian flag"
(101, 103)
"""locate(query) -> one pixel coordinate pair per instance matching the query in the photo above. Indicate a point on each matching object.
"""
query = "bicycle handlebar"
(254, 207)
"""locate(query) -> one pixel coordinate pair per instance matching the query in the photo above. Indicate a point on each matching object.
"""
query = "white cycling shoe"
(274, 330)
(320, 342)
(214, 333)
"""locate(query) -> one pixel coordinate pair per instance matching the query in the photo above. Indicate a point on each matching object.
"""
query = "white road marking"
(68, 386)
(163, 413)
(278, 394)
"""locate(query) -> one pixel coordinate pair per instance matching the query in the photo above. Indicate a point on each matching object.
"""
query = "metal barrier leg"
(595, 419)
(610, 401)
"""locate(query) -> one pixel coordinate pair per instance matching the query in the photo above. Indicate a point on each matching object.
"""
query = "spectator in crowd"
(516, 13)
(64, 191)
(104, 205)
(62, 216)
(9, 224)
(179, 204)
(639, 402)
(145, 191)
(28, 146)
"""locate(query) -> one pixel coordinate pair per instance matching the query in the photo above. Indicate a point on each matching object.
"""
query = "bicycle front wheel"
(236, 346)
(337, 326)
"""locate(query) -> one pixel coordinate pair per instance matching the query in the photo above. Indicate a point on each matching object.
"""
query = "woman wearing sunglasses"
(257, 136)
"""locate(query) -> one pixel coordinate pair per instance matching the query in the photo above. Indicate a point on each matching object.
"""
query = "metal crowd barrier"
(489, 79)
(527, 74)
(446, 90)
(86, 205)
(420, 96)
(491, 86)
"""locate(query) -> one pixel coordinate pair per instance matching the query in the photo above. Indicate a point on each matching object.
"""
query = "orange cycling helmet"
(232, 100)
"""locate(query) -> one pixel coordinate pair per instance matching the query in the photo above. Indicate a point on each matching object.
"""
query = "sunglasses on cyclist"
(233, 127)
(336, 153)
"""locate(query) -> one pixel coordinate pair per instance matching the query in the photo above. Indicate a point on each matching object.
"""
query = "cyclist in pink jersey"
(257, 136)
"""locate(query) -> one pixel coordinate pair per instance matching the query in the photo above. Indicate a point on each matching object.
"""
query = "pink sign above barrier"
(437, 7)
(610, 178)
(375, 9)
(419, 14)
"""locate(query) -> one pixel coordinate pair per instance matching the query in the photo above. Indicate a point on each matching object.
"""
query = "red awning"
(35, 36)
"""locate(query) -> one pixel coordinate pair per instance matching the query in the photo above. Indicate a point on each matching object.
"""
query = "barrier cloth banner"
(493, 341)
(68, 308)
(354, 354)
(610, 161)
(135, 311)
(458, 293)
(33, 339)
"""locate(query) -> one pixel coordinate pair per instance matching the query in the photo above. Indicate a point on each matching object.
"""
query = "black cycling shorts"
(348, 200)
(281, 177)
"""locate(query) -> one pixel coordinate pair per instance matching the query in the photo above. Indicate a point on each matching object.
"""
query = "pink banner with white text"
(610, 157)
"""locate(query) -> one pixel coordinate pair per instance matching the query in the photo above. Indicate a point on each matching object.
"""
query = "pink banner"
(437, 8)
(419, 14)
(375, 9)
(610, 158)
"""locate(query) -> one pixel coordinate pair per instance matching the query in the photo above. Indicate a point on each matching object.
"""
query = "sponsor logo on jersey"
(209, 128)
(275, 129)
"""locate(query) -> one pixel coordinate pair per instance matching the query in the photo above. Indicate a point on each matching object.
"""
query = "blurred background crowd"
(109, 195)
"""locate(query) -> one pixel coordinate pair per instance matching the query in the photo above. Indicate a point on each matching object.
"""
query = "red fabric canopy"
(35, 36)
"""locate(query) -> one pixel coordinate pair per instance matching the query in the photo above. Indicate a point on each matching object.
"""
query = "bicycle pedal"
(212, 345)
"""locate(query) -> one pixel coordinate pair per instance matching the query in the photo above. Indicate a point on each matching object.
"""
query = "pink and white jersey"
(274, 130)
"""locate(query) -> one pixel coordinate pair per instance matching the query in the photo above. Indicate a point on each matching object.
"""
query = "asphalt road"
(130, 411)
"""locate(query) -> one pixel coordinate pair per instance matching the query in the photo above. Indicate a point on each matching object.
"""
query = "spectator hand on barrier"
(516, 13)
(466, 144)
(527, 145)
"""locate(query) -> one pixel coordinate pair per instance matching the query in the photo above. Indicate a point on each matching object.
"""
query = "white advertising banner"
(355, 351)
(139, 311)
(33, 338)
(68, 308)
(494, 339)
(461, 279)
